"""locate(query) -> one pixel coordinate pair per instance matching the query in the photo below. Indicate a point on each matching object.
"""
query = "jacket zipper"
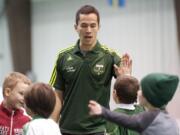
(12, 114)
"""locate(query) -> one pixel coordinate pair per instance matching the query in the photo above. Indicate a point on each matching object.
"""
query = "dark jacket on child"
(156, 122)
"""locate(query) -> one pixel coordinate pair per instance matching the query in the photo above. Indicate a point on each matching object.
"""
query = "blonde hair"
(13, 78)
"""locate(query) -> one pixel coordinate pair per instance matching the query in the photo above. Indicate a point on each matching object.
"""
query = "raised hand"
(125, 66)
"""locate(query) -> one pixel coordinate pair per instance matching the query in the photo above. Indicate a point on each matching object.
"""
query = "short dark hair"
(126, 88)
(40, 99)
(87, 9)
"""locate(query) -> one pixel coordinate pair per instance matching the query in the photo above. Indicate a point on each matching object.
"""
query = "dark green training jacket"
(83, 77)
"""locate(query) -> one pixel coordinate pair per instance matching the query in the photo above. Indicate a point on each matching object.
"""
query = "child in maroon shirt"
(12, 117)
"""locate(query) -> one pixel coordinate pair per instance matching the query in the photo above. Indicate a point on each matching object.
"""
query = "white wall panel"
(5, 53)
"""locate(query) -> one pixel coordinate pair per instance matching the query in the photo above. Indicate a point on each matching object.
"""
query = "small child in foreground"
(39, 104)
(157, 90)
(12, 118)
(125, 96)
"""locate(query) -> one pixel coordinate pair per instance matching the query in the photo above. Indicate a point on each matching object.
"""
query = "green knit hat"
(159, 88)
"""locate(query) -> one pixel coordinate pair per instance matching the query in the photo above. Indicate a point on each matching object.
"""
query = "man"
(83, 72)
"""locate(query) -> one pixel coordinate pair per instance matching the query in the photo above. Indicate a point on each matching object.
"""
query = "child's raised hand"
(95, 108)
(125, 67)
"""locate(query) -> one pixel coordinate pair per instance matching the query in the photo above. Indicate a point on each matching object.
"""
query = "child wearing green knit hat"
(157, 90)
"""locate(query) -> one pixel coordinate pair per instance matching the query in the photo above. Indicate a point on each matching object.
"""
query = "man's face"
(15, 97)
(87, 29)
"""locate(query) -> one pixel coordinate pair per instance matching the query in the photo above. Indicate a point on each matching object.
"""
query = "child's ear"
(116, 99)
(7, 92)
(114, 92)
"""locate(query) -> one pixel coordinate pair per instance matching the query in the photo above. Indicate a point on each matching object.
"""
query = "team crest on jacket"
(99, 69)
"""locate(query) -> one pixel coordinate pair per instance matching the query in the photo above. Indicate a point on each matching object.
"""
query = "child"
(125, 95)
(1, 96)
(157, 90)
(12, 118)
(39, 104)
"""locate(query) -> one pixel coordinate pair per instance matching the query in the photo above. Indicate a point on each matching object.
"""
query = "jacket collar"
(10, 111)
(94, 50)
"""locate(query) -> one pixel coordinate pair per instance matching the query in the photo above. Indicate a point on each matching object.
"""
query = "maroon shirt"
(12, 121)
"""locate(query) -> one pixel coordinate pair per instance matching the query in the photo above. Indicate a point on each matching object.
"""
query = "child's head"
(125, 89)
(157, 89)
(14, 86)
(40, 100)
